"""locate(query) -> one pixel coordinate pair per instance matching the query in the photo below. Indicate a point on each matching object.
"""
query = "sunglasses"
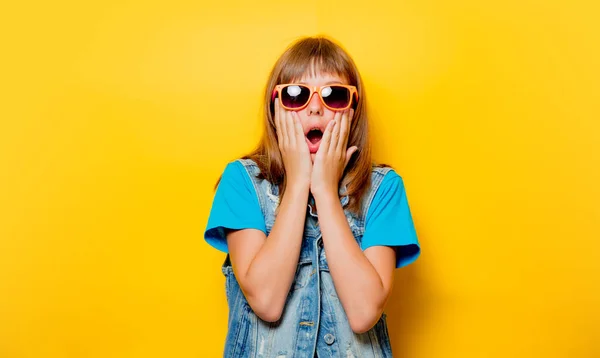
(295, 97)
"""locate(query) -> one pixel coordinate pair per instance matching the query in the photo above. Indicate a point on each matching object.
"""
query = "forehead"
(318, 77)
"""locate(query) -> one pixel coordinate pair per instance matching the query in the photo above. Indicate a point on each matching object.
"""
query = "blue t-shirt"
(388, 222)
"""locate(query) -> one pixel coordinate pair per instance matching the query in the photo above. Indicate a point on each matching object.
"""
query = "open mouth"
(313, 138)
(314, 135)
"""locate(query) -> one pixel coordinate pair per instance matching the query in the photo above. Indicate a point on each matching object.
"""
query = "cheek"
(303, 121)
(302, 115)
(328, 114)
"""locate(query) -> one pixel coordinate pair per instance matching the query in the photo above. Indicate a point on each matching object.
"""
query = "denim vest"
(313, 322)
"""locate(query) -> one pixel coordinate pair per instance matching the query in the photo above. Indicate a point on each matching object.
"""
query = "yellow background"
(117, 117)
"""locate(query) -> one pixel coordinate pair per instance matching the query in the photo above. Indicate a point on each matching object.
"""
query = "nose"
(315, 106)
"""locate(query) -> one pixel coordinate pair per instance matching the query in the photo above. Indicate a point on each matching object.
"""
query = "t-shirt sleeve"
(389, 221)
(235, 206)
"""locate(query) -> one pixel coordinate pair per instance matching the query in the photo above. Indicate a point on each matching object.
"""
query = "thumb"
(349, 154)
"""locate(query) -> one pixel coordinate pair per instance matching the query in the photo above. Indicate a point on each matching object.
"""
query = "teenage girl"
(312, 227)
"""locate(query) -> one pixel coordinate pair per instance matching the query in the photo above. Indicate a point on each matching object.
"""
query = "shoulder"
(232, 170)
(246, 162)
(240, 165)
(247, 165)
(244, 174)
(236, 172)
(384, 176)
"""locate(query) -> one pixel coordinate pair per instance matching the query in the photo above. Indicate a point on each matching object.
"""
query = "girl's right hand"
(293, 147)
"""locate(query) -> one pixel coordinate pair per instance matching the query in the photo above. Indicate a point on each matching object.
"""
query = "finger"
(350, 120)
(291, 128)
(283, 123)
(335, 133)
(298, 131)
(324, 146)
(344, 129)
(349, 154)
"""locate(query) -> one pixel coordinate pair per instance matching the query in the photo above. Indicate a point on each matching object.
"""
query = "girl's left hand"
(333, 156)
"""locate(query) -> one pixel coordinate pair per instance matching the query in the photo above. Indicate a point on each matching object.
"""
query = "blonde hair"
(309, 56)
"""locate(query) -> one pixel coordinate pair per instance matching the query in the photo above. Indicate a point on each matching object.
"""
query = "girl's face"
(315, 116)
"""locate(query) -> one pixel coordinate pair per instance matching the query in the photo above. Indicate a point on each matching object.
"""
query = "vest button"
(329, 338)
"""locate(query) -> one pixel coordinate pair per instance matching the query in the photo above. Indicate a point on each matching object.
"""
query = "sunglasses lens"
(336, 96)
(294, 96)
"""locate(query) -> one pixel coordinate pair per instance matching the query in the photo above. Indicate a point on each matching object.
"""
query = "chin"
(312, 157)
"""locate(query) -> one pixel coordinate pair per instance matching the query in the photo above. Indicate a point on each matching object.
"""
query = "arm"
(265, 267)
(363, 280)
(362, 285)
(363, 276)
